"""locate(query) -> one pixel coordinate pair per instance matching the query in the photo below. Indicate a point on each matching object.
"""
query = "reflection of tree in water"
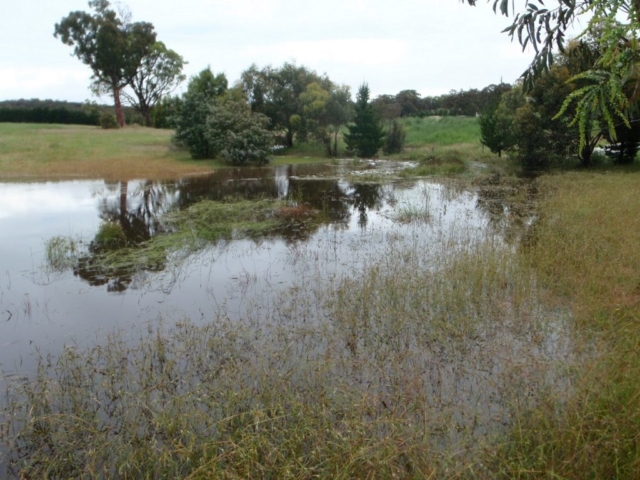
(365, 197)
(333, 202)
(509, 204)
(137, 209)
(138, 219)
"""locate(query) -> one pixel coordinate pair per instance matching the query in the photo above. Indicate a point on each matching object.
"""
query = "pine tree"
(366, 135)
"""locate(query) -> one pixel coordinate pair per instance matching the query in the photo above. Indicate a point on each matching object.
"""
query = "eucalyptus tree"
(160, 73)
(110, 45)
(325, 112)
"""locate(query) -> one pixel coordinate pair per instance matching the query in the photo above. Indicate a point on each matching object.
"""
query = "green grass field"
(70, 151)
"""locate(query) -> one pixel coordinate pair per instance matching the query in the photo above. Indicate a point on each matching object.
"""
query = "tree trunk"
(335, 143)
(147, 118)
(118, 105)
(289, 138)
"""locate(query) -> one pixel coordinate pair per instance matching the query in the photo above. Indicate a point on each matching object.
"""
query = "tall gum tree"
(160, 73)
(111, 46)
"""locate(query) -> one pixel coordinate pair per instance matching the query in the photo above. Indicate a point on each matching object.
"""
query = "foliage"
(237, 134)
(535, 131)
(108, 121)
(160, 72)
(608, 94)
(625, 146)
(110, 45)
(275, 92)
(395, 138)
(495, 130)
(408, 103)
(366, 135)
(212, 120)
(165, 111)
(61, 115)
(191, 117)
(325, 112)
(208, 84)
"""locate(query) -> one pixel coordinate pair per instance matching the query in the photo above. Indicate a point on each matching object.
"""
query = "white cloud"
(353, 51)
(38, 78)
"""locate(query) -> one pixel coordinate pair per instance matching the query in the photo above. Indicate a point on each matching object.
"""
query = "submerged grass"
(403, 369)
(204, 223)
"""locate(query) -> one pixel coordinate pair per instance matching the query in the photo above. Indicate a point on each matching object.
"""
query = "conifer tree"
(366, 134)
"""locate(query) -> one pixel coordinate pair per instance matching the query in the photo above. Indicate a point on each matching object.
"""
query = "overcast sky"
(432, 46)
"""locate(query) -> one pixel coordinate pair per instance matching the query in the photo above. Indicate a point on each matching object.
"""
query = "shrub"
(239, 135)
(395, 139)
(108, 121)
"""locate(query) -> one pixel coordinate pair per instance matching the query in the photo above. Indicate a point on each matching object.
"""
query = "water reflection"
(137, 208)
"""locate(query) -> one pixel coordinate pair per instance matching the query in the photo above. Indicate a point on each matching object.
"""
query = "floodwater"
(47, 309)
(357, 224)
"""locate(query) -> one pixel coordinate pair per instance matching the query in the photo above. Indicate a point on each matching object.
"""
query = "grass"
(34, 151)
(303, 153)
(446, 146)
(202, 224)
(442, 130)
(586, 251)
(386, 372)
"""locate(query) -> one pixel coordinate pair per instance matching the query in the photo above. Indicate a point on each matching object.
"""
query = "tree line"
(567, 101)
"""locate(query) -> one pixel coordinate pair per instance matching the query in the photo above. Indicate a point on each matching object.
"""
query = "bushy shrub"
(223, 127)
(108, 121)
(239, 135)
(191, 123)
(395, 139)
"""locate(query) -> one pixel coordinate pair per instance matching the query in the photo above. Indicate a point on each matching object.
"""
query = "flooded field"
(401, 297)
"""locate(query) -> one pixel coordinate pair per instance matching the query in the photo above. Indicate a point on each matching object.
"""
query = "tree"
(276, 94)
(612, 82)
(366, 135)
(192, 112)
(207, 83)
(495, 130)
(409, 101)
(325, 112)
(160, 72)
(395, 138)
(111, 46)
(191, 117)
(237, 134)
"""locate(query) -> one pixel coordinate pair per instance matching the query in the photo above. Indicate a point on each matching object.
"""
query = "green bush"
(395, 139)
(239, 135)
(108, 121)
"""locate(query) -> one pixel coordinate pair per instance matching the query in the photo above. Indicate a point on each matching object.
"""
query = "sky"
(432, 46)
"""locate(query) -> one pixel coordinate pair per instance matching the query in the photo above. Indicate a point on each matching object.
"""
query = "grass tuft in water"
(61, 253)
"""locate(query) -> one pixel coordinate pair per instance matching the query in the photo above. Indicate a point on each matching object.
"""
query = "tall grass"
(586, 249)
(455, 357)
